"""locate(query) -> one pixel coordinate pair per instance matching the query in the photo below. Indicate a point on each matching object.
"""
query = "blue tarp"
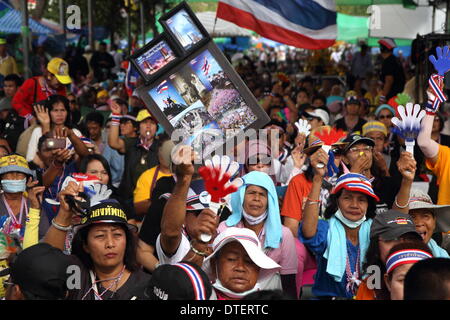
(11, 21)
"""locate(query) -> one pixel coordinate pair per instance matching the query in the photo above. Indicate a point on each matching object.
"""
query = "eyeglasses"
(365, 149)
(72, 101)
(389, 116)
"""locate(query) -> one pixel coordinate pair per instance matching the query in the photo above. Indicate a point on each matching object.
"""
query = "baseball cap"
(60, 69)
(14, 163)
(41, 272)
(388, 43)
(144, 114)
(353, 139)
(248, 239)
(197, 197)
(374, 126)
(318, 113)
(5, 104)
(107, 211)
(179, 281)
(352, 99)
(420, 200)
(102, 94)
(391, 225)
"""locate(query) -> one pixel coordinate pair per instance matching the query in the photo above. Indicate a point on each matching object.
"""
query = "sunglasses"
(386, 117)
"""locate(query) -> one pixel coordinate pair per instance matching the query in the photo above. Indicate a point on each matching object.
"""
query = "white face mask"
(254, 220)
(218, 286)
(349, 223)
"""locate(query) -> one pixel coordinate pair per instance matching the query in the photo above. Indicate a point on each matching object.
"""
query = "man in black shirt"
(351, 122)
(141, 153)
(392, 73)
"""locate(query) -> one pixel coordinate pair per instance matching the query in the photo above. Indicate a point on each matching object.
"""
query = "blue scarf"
(437, 251)
(336, 252)
(273, 221)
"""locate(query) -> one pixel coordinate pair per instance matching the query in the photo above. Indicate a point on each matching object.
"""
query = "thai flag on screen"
(162, 87)
(205, 67)
(309, 24)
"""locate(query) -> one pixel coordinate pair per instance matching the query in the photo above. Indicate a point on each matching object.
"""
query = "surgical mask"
(254, 220)
(218, 286)
(13, 186)
(349, 223)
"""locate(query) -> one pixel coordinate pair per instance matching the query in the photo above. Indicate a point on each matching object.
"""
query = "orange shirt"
(295, 197)
(364, 293)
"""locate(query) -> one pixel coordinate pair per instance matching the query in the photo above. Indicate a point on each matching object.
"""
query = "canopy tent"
(219, 27)
(11, 22)
(395, 21)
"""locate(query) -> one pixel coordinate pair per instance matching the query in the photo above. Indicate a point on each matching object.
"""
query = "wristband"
(115, 119)
(60, 227)
(399, 206)
(200, 253)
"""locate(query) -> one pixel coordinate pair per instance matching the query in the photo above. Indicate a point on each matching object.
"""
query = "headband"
(407, 256)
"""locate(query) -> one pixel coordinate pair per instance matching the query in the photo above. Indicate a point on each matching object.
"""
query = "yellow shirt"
(144, 183)
(442, 171)
(8, 66)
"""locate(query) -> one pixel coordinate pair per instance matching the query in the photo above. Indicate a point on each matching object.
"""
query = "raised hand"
(42, 115)
(35, 193)
(442, 63)
(318, 159)
(298, 156)
(183, 157)
(407, 166)
(115, 107)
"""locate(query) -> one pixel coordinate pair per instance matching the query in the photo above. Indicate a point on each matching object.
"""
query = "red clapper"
(218, 186)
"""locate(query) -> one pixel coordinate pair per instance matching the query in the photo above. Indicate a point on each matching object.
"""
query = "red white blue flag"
(205, 67)
(309, 24)
(162, 87)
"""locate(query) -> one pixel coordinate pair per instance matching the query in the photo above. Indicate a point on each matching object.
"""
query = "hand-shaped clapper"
(442, 66)
(303, 127)
(217, 174)
(409, 126)
(329, 138)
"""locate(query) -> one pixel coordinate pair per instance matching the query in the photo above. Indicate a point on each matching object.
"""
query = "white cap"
(388, 43)
(248, 239)
(319, 113)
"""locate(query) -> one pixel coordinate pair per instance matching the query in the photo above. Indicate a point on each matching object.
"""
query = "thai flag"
(309, 24)
(131, 78)
(162, 87)
(205, 67)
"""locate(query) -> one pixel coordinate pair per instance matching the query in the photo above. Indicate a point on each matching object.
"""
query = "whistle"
(361, 153)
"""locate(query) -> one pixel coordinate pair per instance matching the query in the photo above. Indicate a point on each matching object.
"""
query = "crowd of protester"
(371, 224)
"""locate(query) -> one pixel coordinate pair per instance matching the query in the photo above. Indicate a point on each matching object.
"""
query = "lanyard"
(23, 207)
(352, 278)
(155, 177)
(94, 284)
(58, 185)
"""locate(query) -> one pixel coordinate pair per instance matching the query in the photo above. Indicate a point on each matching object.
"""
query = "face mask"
(218, 286)
(254, 220)
(13, 186)
(348, 223)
